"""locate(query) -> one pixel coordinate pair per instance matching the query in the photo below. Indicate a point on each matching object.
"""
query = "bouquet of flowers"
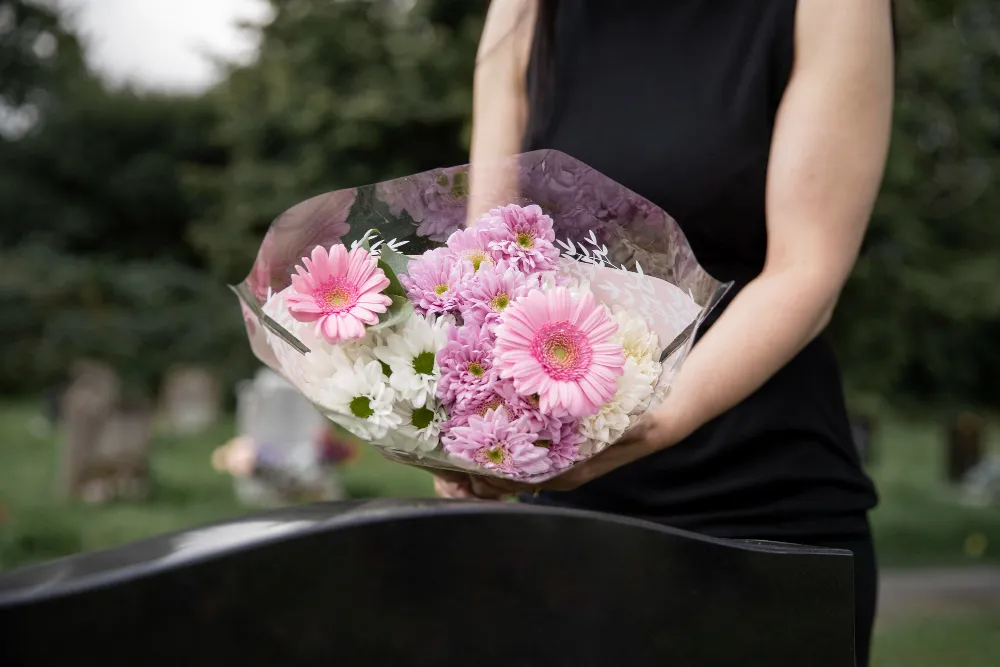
(514, 343)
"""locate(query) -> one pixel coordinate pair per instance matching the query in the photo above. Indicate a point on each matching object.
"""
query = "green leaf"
(400, 311)
(395, 288)
(398, 262)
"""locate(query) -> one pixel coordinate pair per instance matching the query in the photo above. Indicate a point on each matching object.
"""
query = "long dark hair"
(541, 68)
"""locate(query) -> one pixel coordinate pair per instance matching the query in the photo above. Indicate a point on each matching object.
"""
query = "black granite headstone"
(434, 583)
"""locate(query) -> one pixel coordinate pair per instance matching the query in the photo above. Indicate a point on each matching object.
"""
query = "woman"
(762, 126)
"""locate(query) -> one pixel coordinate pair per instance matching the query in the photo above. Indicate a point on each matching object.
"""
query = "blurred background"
(145, 146)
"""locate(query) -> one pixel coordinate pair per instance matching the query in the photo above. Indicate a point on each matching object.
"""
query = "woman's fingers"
(484, 489)
(452, 490)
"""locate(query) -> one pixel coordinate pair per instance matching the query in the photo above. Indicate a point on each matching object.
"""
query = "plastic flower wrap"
(515, 342)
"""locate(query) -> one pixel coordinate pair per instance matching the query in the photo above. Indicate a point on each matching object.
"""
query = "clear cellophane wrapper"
(606, 248)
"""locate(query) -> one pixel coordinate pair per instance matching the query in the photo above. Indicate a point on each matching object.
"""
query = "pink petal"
(319, 267)
(301, 282)
(359, 265)
(304, 304)
(330, 329)
(589, 320)
(338, 261)
(602, 331)
(374, 301)
(583, 307)
(603, 373)
(375, 283)
(559, 305)
(364, 315)
(575, 402)
(518, 330)
(305, 316)
(592, 393)
(351, 327)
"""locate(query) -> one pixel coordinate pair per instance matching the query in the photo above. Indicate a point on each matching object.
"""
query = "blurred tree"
(94, 259)
(342, 94)
(39, 57)
(920, 316)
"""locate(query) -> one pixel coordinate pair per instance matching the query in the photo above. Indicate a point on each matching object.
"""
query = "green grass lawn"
(187, 492)
(960, 640)
(920, 520)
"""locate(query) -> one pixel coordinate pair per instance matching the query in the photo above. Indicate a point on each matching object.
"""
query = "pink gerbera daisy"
(435, 280)
(466, 363)
(560, 348)
(523, 236)
(472, 245)
(562, 439)
(487, 295)
(497, 443)
(339, 291)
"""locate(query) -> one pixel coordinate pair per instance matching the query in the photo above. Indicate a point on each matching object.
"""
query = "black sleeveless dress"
(676, 100)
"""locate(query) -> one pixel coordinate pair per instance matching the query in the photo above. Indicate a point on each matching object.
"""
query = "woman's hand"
(649, 435)
(453, 485)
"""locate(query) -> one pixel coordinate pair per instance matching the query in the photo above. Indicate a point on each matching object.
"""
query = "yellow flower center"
(337, 297)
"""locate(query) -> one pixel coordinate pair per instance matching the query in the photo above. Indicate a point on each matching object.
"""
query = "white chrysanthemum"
(411, 356)
(308, 371)
(577, 286)
(359, 392)
(419, 427)
(611, 422)
(638, 342)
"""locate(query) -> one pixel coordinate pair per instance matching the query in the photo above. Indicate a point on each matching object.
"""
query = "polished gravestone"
(433, 583)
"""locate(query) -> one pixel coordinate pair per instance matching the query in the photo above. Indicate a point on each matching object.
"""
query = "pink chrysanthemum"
(498, 443)
(493, 401)
(502, 395)
(523, 407)
(560, 348)
(562, 440)
(524, 237)
(339, 291)
(435, 280)
(491, 290)
(472, 245)
(466, 363)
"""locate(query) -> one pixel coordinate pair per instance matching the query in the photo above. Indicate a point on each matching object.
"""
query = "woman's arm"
(828, 154)
(499, 101)
(827, 157)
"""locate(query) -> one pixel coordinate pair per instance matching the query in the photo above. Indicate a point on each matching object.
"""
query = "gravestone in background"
(965, 444)
(104, 439)
(289, 431)
(190, 400)
(863, 433)
(434, 583)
